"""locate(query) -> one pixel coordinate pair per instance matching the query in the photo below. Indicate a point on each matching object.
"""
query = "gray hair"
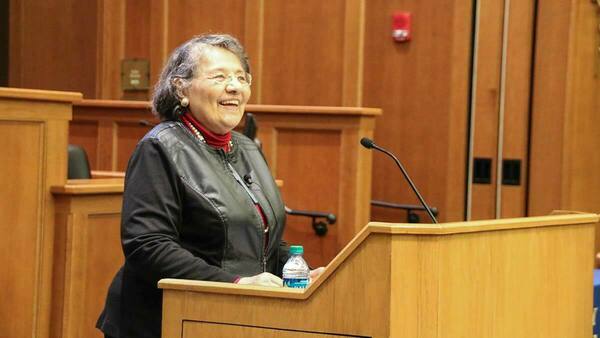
(182, 65)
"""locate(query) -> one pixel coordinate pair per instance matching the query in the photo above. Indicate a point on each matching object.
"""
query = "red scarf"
(211, 138)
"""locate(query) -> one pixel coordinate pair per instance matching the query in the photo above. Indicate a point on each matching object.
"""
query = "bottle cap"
(296, 250)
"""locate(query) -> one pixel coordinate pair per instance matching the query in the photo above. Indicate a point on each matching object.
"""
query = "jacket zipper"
(239, 179)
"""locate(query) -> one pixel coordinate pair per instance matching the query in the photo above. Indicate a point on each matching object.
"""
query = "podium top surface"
(443, 229)
(483, 225)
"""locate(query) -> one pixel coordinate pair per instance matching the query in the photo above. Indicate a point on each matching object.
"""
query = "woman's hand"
(314, 274)
(263, 279)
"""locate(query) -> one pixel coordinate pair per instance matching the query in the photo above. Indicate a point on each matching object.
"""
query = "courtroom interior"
(492, 108)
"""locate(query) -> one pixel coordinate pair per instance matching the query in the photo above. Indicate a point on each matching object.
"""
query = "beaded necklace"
(186, 119)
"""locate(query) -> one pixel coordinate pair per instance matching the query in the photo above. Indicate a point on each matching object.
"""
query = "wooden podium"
(87, 253)
(522, 277)
(33, 134)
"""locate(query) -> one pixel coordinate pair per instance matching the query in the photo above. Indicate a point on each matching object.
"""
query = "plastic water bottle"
(296, 273)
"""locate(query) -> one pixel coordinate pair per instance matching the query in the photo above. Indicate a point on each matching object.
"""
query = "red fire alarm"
(401, 26)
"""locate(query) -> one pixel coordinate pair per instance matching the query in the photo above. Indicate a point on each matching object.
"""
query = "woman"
(199, 200)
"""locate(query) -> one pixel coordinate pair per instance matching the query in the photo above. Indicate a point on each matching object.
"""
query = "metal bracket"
(320, 220)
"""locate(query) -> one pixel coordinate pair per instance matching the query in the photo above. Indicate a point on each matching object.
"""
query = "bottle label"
(301, 283)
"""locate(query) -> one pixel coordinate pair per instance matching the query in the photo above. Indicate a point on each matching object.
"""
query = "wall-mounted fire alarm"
(401, 31)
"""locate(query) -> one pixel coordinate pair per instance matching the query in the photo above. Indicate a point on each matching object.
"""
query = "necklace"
(199, 136)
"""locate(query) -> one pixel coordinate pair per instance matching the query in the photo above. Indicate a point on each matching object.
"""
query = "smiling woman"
(187, 211)
(218, 95)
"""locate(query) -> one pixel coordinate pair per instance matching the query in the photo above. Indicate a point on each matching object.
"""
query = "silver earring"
(185, 102)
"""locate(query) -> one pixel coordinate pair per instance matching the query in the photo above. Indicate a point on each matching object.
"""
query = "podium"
(522, 277)
(33, 133)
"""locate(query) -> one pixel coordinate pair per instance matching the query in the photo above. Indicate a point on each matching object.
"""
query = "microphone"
(369, 144)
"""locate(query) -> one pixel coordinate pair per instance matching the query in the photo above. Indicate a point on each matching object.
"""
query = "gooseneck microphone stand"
(369, 144)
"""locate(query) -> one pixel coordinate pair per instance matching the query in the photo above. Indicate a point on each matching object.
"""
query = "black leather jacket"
(189, 212)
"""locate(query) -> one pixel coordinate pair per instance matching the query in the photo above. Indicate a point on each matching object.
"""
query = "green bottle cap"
(296, 250)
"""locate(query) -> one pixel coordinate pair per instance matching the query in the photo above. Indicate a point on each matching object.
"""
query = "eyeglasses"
(221, 79)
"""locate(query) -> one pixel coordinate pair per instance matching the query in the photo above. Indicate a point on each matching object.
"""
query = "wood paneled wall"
(500, 103)
(54, 45)
(422, 87)
(486, 100)
(515, 142)
(565, 140)
(277, 35)
(477, 80)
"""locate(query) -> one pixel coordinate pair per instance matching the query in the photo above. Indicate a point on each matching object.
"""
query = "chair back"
(250, 126)
(79, 166)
